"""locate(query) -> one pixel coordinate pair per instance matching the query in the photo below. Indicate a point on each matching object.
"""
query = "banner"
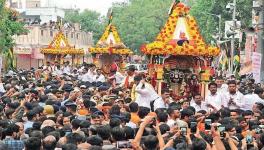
(248, 48)
(256, 66)
(23, 50)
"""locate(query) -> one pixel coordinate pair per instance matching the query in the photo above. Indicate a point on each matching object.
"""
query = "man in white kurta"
(233, 99)
(145, 94)
(214, 99)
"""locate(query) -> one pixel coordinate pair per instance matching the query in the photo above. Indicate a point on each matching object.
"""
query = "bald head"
(49, 142)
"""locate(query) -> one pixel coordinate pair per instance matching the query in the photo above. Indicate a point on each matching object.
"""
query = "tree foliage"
(209, 24)
(139, 21)
(9, 26)
(90, 21)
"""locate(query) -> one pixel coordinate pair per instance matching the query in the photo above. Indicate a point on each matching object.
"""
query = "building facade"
(28, 46)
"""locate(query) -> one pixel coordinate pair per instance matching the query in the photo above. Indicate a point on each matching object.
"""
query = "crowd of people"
(81, 108)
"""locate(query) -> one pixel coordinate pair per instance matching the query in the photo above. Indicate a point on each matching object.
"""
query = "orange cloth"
(83, 112)
(135, 118)
(201, 126)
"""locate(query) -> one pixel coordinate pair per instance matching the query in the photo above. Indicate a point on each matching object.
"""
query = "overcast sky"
(100, 6)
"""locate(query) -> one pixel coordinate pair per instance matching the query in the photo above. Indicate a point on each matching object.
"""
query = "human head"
(95, 140)
(33, 143)
(104, 132)
(133, 107)
(234, 114)
(232, 86)
(197, 99)
(151, 142)
(12, 130)
(165, 94)
(174, 112)
(248, 115)
(186, 114)
(162, 117)
(118, 134)
(212, 87)
(230, 129)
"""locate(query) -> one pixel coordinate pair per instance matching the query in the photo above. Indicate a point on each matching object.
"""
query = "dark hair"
(31, 114)
(75, 123)
(69, 146)
(224, 112)
(214, 117)
(143, 112)
(95, 140)
(231, 82)
(186, 113)
(118, 134)
(47, 130)
(93, 147)
(74, 138)
(85, 124)
(262, 138)
(165, 91)
(151, 142)
(172, 109)
(212, 84)
(36, 125)
(33, 143)
(133, 107)
(162, 117)
(258, 90)
(115, 110)
(198, 144)
(114, 122)
(164, 128)
(130, 133)
(247, 113)
(104, 132)
(11, 128)
(37, 134)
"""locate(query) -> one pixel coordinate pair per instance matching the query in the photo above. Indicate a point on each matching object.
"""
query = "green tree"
(139, 21)
(90, 21)
(9, 26)
(209, 24)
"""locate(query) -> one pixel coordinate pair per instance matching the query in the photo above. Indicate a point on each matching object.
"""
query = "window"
(41, 32)
(71, 35)
(77, 36)
(51, 33)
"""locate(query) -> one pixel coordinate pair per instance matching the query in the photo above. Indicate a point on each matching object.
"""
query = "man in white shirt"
(66, 69)
(257, 95)
(99, 77)
(85, 77)
(145, 93)
(174, 115)
(164, 101)
(233, 99)
(198, 104)
(214, 99)
(128, 81)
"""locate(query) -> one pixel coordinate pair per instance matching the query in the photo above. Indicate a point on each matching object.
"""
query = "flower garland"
(103, 48)
(113, 51)
(64, 51)
(110, 28)
(56, 48)
(165, 45)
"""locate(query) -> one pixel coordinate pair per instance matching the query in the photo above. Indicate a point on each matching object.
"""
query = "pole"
(233, 39)
(219, 30)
